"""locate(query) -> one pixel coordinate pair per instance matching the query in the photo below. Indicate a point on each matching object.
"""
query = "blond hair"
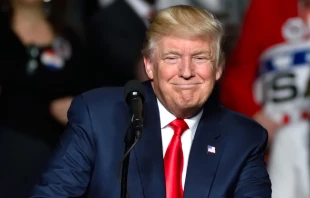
(185, 21)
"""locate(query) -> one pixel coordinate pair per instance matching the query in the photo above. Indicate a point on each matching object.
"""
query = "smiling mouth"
(186, 86)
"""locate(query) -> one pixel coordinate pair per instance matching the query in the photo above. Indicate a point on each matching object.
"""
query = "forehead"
(183, 44)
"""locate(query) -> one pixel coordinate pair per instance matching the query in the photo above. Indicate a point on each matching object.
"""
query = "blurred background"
(53, 50)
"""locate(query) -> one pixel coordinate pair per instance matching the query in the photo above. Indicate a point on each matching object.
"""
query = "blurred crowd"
(53, 50)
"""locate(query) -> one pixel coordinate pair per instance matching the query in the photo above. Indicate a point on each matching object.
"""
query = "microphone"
(134, 96)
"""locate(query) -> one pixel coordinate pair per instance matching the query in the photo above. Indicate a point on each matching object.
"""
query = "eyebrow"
(171, 52)
(193, 54)
(201, 52)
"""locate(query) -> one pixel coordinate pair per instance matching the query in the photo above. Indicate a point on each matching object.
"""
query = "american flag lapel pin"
(211, 149)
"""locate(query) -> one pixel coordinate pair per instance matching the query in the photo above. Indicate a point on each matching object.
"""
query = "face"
(182, 74)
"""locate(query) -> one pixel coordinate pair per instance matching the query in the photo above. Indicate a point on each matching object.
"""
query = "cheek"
(166, 72)
(206, 72)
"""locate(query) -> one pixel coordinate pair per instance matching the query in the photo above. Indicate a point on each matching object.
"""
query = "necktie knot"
(179, 126)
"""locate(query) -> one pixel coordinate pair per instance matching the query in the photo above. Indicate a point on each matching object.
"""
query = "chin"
(187, 110)
(187, 104)
(187, 97)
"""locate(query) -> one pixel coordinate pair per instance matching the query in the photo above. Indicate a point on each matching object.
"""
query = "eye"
(200, 59)
(171, 59)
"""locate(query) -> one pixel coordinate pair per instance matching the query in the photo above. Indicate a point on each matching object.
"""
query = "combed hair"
(185, 21)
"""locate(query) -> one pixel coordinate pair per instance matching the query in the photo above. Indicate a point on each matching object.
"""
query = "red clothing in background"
(262, 28)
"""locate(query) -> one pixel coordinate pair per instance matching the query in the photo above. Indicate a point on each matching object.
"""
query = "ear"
(148, 67)
(219, 72)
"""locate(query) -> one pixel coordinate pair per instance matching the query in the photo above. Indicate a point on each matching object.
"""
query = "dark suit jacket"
(115, 36)
(90, 152)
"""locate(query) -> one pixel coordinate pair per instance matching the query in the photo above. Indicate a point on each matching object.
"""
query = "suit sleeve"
(281, 167)
(68, 173)
(254, 180)
(240, 73)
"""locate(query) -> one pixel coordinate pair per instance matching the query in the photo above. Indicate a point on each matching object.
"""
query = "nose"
(186, 69)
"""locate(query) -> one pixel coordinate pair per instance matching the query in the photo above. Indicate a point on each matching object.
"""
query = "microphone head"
(134, 88)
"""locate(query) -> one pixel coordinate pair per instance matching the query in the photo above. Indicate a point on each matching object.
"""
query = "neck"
(28, 15)
(186, 113)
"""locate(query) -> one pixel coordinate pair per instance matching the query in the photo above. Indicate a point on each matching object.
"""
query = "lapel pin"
(211, 149)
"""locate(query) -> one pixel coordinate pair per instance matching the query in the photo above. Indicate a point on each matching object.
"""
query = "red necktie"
(174, 161)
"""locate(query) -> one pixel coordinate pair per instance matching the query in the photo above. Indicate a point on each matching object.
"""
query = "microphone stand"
(132, 136)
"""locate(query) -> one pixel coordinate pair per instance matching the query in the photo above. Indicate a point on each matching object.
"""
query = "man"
(219, 154)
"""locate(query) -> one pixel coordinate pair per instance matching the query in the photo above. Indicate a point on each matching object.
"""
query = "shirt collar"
(166, 117)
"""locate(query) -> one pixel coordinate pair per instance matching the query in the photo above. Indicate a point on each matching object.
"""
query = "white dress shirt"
(187, 137)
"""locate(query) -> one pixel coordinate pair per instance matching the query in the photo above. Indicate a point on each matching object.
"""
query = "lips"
(186, 86)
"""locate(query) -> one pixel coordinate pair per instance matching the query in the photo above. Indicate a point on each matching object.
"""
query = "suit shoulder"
(243, 124)
(104, 95)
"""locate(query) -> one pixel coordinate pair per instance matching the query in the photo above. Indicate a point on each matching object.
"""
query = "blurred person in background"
(79, 13)
(258, 80)
(115, 36)
(41, 68)
(289, 160)
(267, 77)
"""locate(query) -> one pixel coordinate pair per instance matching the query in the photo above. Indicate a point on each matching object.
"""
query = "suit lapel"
(202, 165)
(148, 150)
